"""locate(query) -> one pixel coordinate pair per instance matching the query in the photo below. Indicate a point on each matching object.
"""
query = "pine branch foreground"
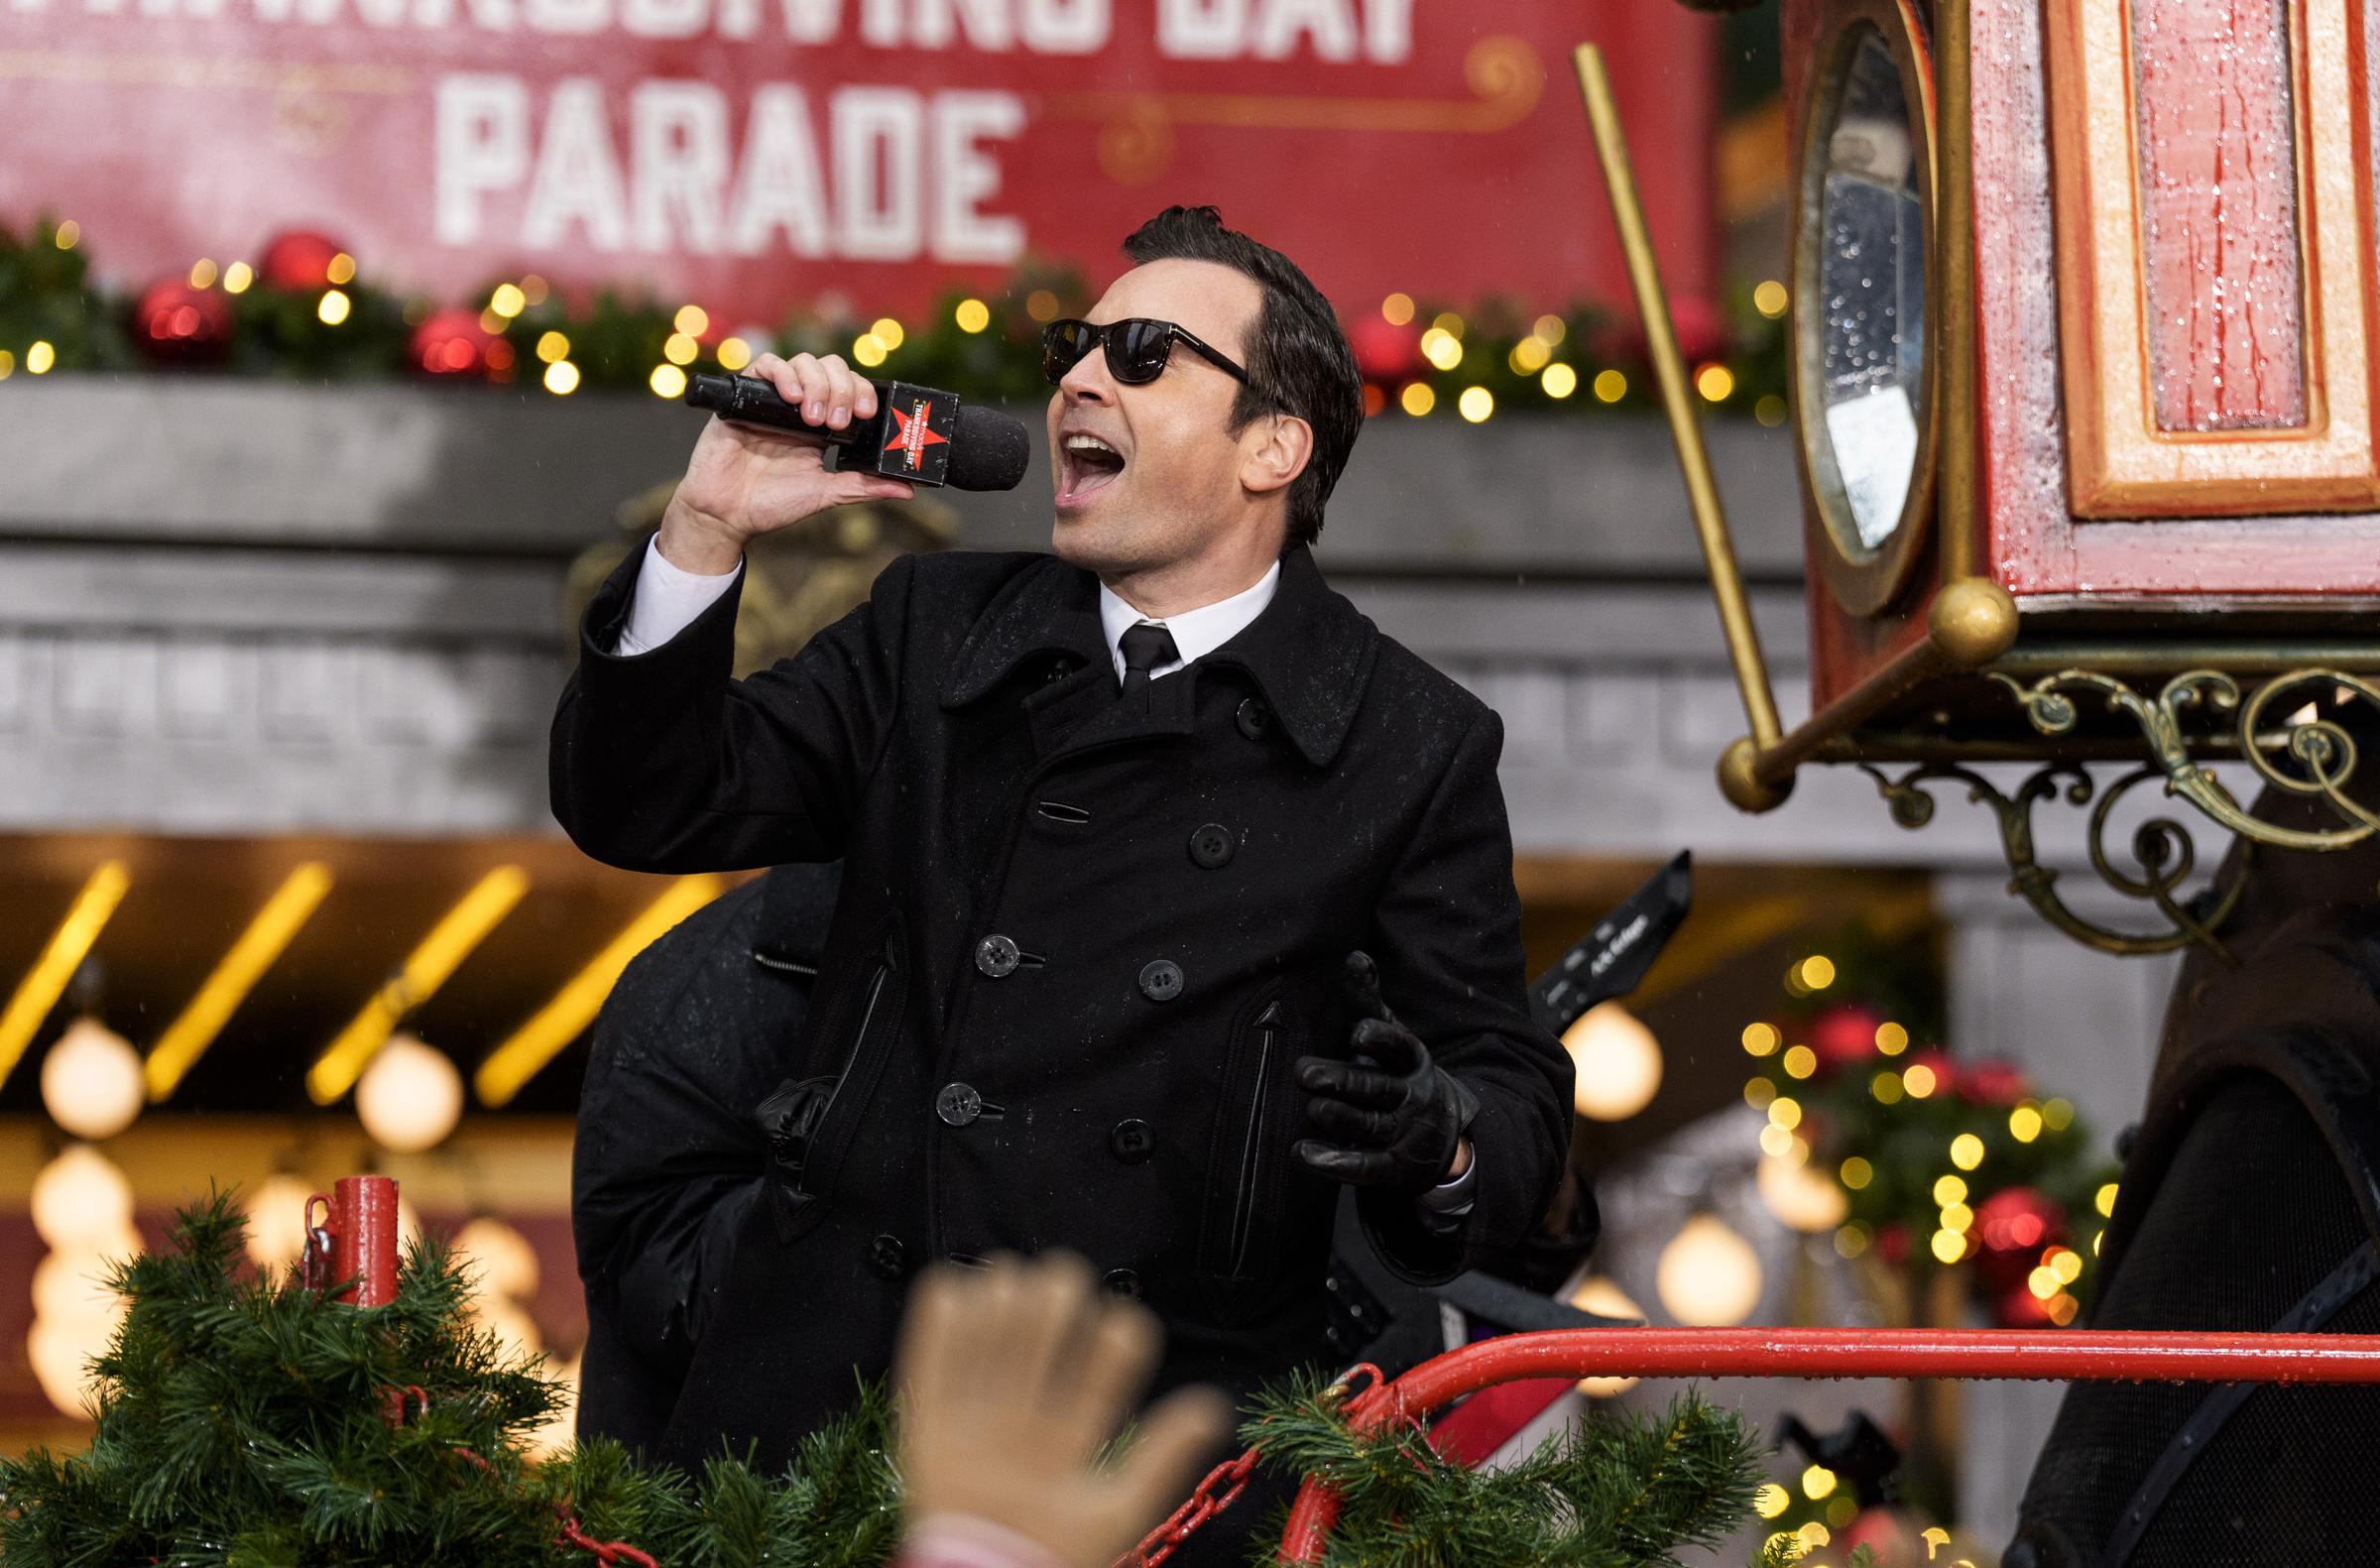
(244, 1424)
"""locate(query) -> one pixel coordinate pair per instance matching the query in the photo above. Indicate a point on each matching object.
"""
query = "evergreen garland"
(47, 297)
(251, 1424)
(987, 352)
(1618, 1491)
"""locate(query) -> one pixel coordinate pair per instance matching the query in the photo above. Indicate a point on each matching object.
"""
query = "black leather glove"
(1388, 1119)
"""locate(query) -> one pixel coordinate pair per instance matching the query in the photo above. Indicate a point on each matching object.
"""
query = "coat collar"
(1310, 653)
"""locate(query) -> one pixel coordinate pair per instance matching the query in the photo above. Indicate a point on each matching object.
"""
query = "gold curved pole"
(1954, 273)
(1669, 369)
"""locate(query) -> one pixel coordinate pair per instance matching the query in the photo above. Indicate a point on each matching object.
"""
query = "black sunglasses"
(1137, 349)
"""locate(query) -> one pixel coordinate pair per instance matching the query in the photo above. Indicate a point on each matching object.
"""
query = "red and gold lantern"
(2085, 360)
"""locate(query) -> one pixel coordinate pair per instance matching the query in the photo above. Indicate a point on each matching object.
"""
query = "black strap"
(2314, 1308)
(1514, 1309)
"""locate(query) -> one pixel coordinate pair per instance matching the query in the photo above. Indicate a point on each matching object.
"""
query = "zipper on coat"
(858, 1042)
(1252, 1150)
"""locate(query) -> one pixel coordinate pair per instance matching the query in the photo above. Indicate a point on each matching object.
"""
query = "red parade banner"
(752, 154)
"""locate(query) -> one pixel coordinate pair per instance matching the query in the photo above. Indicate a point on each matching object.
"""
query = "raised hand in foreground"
(1011, 1379)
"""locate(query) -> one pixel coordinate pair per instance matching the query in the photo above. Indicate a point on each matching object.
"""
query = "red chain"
(1217, 1491)
(1224, 1484)
(606, 1553)
(411, 1400)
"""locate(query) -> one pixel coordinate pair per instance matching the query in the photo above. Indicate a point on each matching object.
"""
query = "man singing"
(1175, 896)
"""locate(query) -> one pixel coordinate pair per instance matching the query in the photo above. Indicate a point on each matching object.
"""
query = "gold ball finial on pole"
(1741, 785)
(1973, 621)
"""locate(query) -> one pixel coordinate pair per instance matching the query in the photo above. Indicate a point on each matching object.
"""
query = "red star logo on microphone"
(911, 434)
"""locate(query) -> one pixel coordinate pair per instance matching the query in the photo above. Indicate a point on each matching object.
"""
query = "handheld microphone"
(917, 433)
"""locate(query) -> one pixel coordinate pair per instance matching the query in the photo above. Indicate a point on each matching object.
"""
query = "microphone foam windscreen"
(988, 450)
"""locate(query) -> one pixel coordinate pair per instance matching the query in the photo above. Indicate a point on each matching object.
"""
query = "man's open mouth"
(1086, 464)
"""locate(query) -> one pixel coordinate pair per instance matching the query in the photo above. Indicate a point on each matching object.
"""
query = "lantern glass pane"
(1871, 293)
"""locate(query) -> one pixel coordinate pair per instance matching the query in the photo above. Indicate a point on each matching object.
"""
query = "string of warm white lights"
(1472, 367)
(1851, 1114)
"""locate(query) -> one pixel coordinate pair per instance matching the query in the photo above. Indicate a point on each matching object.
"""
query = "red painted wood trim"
(2033, 544)
(2213, 105)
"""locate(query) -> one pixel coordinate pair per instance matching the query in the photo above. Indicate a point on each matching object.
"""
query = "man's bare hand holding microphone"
(746, 480)
(760, 463)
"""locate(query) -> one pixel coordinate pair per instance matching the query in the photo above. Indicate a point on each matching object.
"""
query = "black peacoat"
(669, 1158)
(1079, 946)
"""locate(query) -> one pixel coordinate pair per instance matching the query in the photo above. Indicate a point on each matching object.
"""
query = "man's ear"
(1283, 453)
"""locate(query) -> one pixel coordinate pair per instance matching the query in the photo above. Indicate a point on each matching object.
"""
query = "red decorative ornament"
(298, 261)
(176, 323)
(1995, 1082)
(1845, 1034)
(1892, 1243)
(1386, 352)
(1945, 1075)
(2012, 1226)
(2018, 1307)
(452, 342)
(1702, 330)
(1895, 1535)
(355, 1245)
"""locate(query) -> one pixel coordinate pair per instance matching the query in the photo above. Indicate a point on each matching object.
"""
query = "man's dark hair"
(1297, 357)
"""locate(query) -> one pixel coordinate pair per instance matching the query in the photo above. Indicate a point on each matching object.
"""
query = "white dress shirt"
(668, 599)
(1196, 633)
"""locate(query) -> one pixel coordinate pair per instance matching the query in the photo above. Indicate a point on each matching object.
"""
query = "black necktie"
(1144, 648)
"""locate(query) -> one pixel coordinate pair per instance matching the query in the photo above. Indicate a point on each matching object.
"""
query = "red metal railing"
(2055, 1355)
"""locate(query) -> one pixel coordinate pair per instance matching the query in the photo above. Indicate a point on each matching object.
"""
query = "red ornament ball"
(1894, 1535)
(1702, 330)
(2012, 1226)
(451, 342)
(1945, 1075)
(1842, 1035)
(299, 261)
(1384, 352)
(178, 324)
(2016, 1306)
(1994, 1082)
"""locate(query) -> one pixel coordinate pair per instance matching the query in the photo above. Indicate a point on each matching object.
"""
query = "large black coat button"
(888, 1257)
(1122, 1283)
(1161, 981)
(1254, 719)
(996, 957)
(958, 1104)
(1131, 1140)
(1211, 846)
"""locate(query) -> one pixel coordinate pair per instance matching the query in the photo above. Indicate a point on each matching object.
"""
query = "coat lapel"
(1089, 712)
(1050, 607)
(1310, 654)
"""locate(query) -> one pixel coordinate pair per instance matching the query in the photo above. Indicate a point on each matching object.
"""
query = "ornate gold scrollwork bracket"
(2305, 755)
